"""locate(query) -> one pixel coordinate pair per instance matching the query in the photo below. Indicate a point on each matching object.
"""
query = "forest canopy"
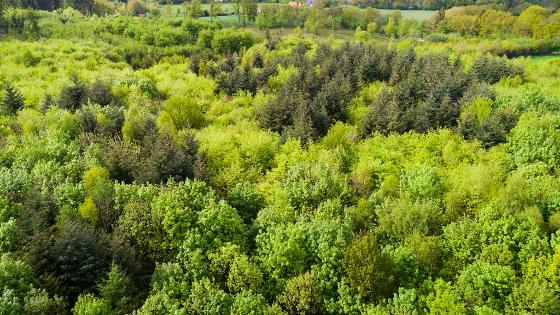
(323, 160)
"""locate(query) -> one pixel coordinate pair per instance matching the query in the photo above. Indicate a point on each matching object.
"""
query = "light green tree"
(391, 27)
(360, 35)
(213, 10)
(89, 304)
(195, 9)
(530, 22)
(372, 28)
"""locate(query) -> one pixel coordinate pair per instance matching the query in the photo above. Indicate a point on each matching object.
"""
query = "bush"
(230, 40)
(490, 69)
(185, 112)
(88, 304)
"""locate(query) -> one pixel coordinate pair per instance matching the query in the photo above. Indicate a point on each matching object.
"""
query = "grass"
(418, 15)
(537, 59)
(226, 19)
(179, 9)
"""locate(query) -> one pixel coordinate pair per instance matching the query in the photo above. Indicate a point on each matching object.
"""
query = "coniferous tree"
(100, 93)
(74, 95)
(48, 101)
(13, 101)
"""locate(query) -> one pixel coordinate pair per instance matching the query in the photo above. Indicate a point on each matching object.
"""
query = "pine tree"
(47, 103)
(100, 93)
(73, 96)
(13, 101)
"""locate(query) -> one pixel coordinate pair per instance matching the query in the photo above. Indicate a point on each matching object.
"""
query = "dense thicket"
(158, 165)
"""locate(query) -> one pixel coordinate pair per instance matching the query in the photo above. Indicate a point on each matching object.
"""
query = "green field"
(179, 9)
(418, 15)
(536, 59)
(226, 19)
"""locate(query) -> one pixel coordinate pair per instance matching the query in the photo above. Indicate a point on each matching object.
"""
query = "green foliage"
(117, 290)
(100, 93)
(217, 224)
(402, 218)
(16, 278)
(281, 251)
(83, 258)
(244, 276)
(196, 168)
(248, 303)
(436, 104)
(486, 284)
(38, 302)
(444, 300)
(246, 201)
(530, 19)
(9, 303)
(479, 121)
(309, 185)
(184, 112)
(231, 41)
(88, 211)
(176, 208)
(533, 297)
(12, 101)
(74, 95)
(207, 299)
(489, 69)
(421, 183)
(301, 295)
(88, 304)
(8, 235)
(531, 142)
(195, 9)
(162, 159)
(369, 272)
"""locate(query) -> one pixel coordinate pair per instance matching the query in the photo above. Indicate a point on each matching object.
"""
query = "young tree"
(195, 9)
(90, 304)
(249, 11)
(187, 8)
(360, 35)
(530, 21)
(117, 290)
(372, 28)
(213, 10)
(369, 271)
(391, 27)
(13, 101)
(301, 295)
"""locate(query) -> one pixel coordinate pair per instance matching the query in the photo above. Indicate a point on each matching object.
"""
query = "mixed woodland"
(323, 160)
